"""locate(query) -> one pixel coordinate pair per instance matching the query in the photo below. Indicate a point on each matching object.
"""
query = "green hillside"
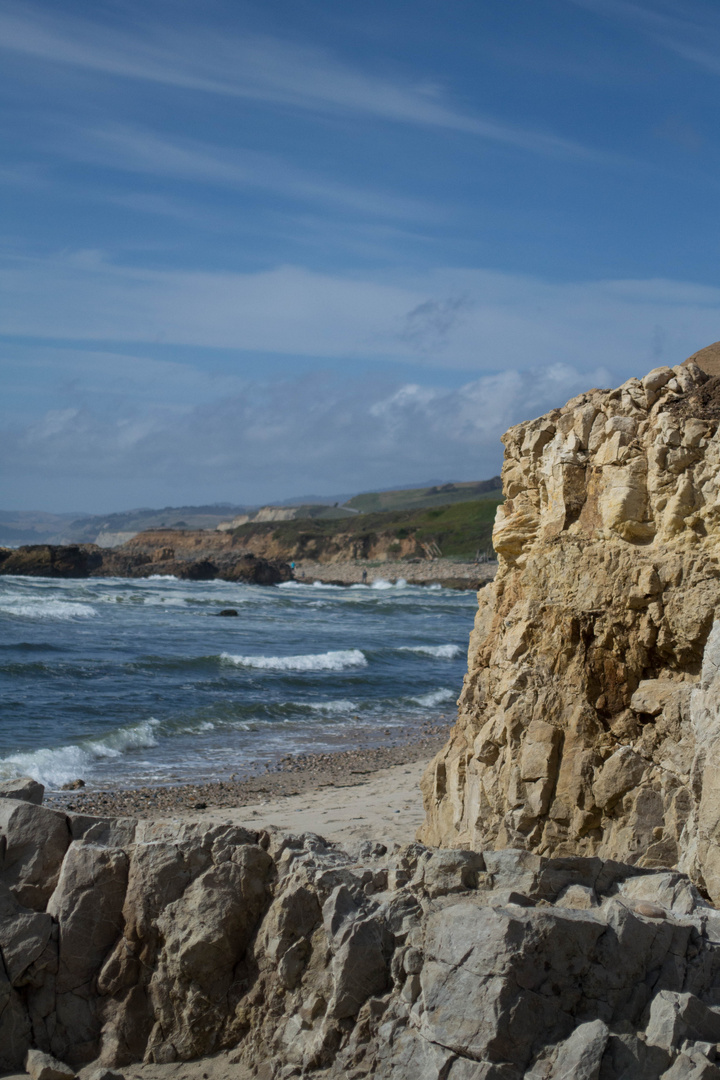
(416, 498)
(455, 531)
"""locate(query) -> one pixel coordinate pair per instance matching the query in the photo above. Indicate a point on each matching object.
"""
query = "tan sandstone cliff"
(588, 721)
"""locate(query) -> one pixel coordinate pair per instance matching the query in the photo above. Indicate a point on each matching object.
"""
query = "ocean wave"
(441, 652)
(162, 577)
(47, 609)
(339, 706)
(337, 660)
(57, 766)
(435, 697)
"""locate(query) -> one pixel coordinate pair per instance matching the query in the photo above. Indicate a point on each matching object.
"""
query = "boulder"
(580, 1056)
(24, 788)
(41, 1066)
(34, 841)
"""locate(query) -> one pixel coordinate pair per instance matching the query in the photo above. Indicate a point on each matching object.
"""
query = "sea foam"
(337, 660)
(47, 609)
(56, 766)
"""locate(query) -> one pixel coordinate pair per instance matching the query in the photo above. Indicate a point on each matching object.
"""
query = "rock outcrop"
(588, 721)
(124, 941)
(89, 560)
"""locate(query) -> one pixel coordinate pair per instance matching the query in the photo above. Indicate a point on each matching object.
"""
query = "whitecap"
(162, 577)
(339, 706)
(336, 660)
(435, 697)
(441, 652)
(56, 766)
(47, 609)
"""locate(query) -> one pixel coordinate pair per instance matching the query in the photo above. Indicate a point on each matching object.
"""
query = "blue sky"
(257, 250)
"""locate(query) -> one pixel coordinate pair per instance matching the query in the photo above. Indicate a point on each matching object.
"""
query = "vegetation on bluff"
(459, 531)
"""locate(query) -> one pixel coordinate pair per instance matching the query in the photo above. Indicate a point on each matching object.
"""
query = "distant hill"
(110, 530)
(458, 530)
(416, 498)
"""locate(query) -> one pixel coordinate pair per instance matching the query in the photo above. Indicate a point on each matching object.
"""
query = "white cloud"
(474, 320)
(273, 441)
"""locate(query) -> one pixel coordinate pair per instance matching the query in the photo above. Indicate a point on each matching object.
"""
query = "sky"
(257, 250)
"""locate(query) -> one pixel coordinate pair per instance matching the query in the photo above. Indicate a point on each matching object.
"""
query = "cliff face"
(587, 722)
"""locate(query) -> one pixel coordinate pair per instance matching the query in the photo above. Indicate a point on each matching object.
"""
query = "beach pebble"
(649, 910)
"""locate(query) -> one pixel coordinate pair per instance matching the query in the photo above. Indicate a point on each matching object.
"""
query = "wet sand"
(302, 775)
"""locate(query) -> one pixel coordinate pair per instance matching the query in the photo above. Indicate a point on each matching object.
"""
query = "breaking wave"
(435, 697)
(338, 660)
(442, 652)
(56, 766)
(47, 609)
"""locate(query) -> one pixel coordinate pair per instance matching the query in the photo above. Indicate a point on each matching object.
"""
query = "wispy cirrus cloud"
(689, 29)
(140, 151)
(260, 68)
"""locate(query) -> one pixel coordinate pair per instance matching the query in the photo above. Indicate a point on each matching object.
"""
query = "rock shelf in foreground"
(124, 941)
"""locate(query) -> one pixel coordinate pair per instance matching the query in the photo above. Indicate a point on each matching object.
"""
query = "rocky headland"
(136, 561)
(558, 919)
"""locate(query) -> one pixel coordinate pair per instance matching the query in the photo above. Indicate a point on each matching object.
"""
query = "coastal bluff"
(588, 720)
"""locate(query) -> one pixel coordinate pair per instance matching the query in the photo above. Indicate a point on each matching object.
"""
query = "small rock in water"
(73, 785)
(42, 1066)
(228, 611)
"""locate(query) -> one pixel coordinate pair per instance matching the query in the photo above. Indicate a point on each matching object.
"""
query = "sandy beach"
(301, 793)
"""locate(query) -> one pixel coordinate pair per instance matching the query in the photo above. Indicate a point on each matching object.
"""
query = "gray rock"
(577, 896)
(580, 1056)
(41, 1066)
(36, 840)
(687, 1067)
(359, 966)
(23, 788)
(24, 935)
(439, 873)
(675, 1017)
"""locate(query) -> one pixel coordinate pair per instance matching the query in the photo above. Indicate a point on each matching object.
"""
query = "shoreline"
(297, 775)
(444, 572)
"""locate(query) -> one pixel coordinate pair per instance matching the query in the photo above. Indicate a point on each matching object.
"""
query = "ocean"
(126, 683)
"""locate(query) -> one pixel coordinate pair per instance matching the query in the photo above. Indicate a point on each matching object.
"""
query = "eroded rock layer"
(123, 941)
(588, 721)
